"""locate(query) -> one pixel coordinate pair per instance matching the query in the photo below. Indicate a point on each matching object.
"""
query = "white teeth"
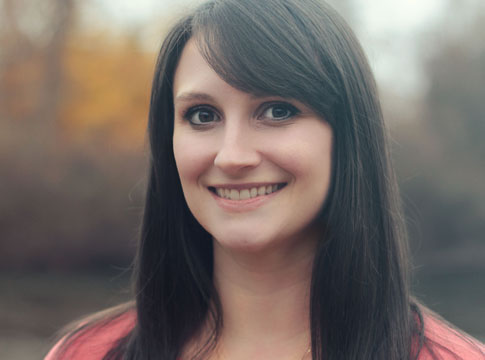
(254, 192)
(234, 194)
(245, 194)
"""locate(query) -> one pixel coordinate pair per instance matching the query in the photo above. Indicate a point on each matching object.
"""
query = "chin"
(250, 243)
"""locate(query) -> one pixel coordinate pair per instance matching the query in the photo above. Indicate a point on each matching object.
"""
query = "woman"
(272, 227)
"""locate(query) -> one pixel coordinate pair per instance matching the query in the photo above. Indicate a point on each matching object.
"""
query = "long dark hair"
(360, 306)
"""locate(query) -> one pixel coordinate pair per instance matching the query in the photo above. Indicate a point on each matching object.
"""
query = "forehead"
(192, 69)
(195, 79)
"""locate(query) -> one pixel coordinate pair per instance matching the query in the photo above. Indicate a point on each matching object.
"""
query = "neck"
(265, 301)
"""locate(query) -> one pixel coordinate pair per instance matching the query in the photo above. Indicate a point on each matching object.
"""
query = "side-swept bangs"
(269, 48)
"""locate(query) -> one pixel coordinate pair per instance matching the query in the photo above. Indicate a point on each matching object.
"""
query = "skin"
(264, 246)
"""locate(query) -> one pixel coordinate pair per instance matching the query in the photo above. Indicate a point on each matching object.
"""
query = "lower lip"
(243, 205)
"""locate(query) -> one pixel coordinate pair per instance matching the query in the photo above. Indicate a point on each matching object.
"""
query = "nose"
(238, 151)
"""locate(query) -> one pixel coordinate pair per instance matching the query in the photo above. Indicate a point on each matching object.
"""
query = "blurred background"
(74, 91)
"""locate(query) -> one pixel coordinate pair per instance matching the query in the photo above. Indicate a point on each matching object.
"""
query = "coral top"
(448, 343)
(93, 344)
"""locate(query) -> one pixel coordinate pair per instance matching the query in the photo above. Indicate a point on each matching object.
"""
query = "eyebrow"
(191, 96)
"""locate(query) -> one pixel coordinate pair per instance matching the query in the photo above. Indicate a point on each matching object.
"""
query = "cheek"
(191, 156)
(306, 154)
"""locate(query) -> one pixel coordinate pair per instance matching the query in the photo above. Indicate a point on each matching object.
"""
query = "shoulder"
(93, 339)
(444, 342)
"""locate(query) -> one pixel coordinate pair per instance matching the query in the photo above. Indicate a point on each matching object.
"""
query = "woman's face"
(255, 171)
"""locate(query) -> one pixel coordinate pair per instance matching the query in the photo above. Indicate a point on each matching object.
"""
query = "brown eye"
(201, 116)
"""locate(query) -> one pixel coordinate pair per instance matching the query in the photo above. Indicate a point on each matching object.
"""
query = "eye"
(201, 115)
(279, 111)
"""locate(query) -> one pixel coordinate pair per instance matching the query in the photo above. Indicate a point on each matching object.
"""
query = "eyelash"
(290, 109)
(190, 112)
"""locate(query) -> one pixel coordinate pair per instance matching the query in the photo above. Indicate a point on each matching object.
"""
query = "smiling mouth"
(244, 194)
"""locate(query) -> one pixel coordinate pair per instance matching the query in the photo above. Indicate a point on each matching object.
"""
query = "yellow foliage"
(107, 89)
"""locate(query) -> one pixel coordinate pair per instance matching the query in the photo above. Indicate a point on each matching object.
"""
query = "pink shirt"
(449, 343)
(95, 342)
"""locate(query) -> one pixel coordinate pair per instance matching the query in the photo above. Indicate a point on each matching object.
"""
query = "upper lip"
(246, 185)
